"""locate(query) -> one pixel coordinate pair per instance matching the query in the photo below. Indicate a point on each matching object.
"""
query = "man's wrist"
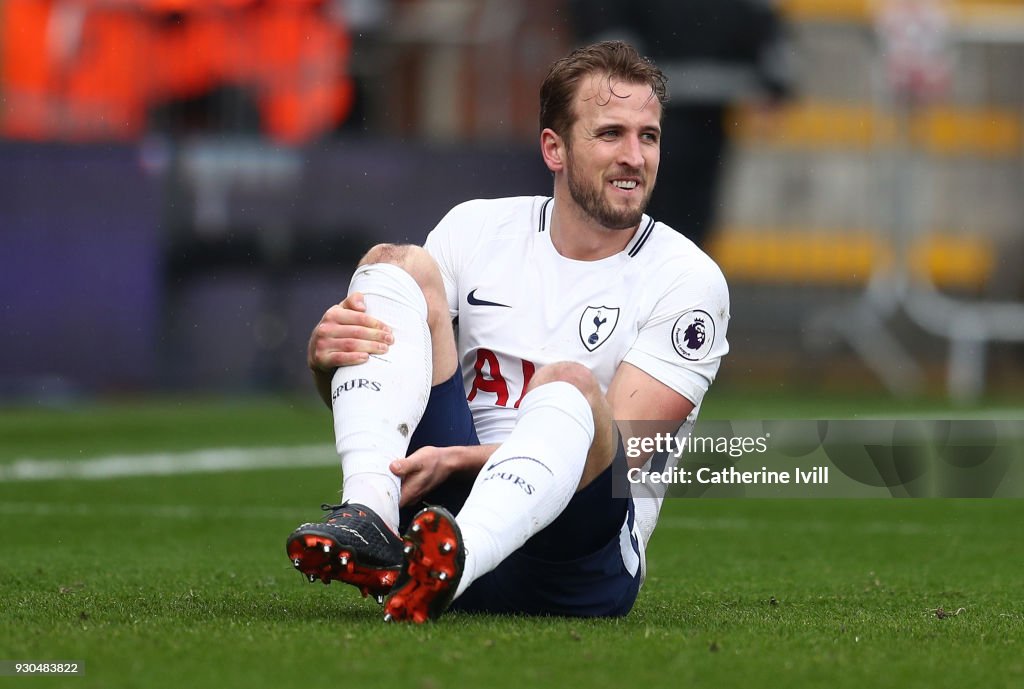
(467, 459)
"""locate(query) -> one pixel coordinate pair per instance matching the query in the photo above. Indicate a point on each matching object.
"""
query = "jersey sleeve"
(445, 245)
(684, 339)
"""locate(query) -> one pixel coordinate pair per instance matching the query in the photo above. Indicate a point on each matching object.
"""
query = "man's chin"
(623, 227)
(608, 215)
(625, 217)
(625, 220)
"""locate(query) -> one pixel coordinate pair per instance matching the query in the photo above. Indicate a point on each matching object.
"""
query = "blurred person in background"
(80, 70)
(715, 54)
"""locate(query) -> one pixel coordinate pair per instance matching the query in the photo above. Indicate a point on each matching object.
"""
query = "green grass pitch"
(182, 580)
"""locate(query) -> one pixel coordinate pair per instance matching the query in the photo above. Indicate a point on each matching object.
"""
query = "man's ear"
(552, 149)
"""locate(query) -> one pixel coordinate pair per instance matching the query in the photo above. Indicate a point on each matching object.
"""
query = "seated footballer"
(476, 382)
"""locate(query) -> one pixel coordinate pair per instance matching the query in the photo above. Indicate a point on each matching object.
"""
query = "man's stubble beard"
(593, 203)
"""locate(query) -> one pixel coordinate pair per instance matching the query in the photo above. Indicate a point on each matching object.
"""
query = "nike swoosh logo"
(529, 459)
(471, 298)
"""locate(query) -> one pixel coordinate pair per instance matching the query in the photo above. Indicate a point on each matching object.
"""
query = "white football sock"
(377, 404)
(529, 480)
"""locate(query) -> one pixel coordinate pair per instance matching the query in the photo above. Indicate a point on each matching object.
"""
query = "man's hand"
(422, 471)
(347, 335)
(428, 467)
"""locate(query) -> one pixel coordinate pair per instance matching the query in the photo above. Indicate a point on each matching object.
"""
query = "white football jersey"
(661, 304)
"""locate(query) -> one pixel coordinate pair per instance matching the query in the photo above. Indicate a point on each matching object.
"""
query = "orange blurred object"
(83, 70)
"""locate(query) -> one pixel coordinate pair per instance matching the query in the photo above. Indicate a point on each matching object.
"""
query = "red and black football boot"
(353, 545)
(434, 560)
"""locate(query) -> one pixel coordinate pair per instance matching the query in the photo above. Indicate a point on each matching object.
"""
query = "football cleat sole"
(319, 557)
(434, 560)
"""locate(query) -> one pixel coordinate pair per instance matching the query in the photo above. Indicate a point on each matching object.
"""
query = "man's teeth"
(625, 184)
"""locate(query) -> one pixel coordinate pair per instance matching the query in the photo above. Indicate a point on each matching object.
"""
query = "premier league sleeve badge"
(693, 335)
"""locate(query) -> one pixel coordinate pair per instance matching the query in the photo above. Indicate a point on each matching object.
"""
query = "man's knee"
(577, 375)
(412, 259)
(386, 253)
(415, 261)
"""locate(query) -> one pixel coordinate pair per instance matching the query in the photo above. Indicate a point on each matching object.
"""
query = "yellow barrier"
(862, 11)
(945, 131)
(846, 257)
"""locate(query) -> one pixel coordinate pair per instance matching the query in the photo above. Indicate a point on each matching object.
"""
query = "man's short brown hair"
(619, 61)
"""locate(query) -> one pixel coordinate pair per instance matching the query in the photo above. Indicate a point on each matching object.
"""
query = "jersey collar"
(632, 249)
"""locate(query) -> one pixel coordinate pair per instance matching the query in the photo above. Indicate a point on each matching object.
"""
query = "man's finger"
(354, 301)
(339, 331)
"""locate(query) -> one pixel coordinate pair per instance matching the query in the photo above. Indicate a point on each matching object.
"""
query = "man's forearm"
(469, 459)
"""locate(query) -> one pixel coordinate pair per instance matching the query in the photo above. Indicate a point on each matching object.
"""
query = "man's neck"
(577, 236)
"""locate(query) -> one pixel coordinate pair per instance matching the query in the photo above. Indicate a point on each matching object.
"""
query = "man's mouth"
(626, 184)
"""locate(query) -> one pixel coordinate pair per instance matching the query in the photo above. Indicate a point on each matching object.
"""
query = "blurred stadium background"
(185, 185)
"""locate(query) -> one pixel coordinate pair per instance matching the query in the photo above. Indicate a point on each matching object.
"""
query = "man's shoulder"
(672, 252)
(475, 226)
(499, 210)
(480, 221)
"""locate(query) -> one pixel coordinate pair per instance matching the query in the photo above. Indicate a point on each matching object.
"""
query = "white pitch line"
(53, 509)
(902, 528)
(998, 414)
(168, 463)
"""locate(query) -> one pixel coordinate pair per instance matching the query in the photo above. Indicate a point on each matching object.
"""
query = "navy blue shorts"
(584, 564)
